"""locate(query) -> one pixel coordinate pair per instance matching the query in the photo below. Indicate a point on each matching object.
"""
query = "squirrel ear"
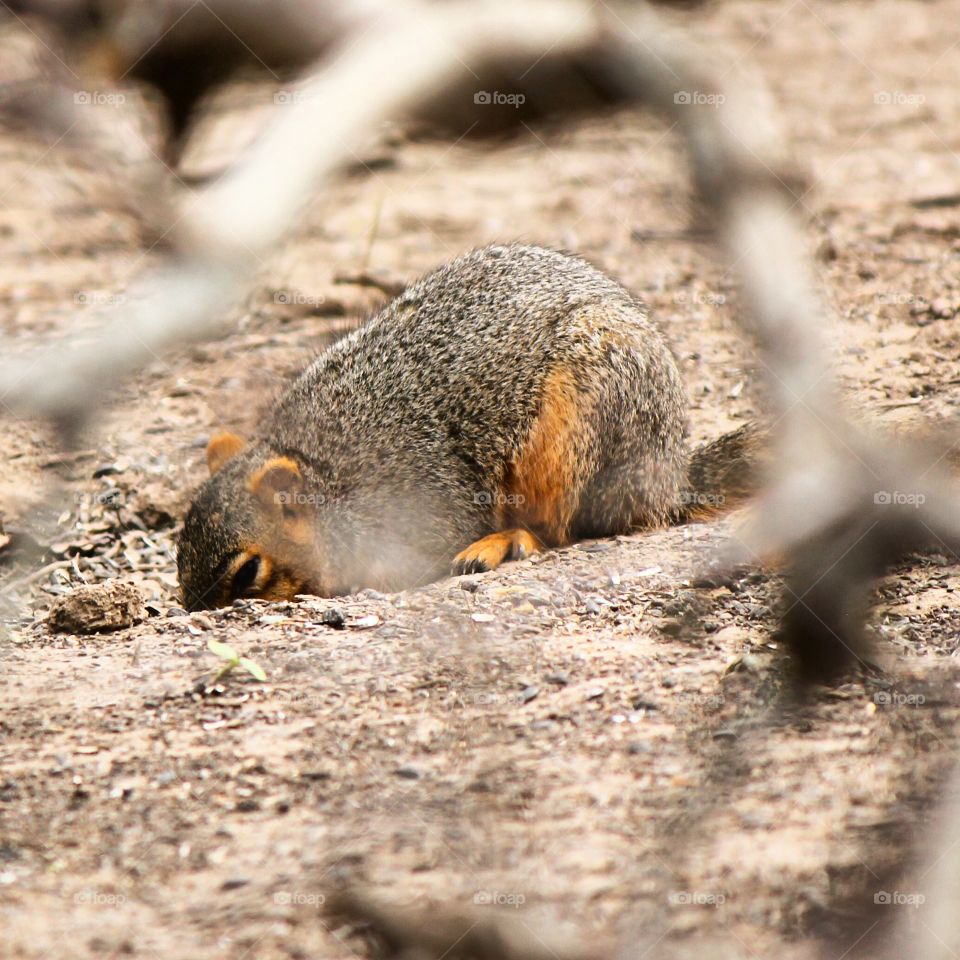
(276, 483)
(221, 448)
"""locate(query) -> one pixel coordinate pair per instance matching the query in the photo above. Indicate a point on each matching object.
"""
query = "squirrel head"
(250, 531)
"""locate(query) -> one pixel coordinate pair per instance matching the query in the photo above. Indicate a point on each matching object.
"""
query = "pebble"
(529, 693)
(594, 547)
(942, 309)
(541, 599)
(333, 618)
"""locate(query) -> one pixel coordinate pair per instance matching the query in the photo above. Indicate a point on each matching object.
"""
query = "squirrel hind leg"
(537, 498)
(489, 552)
(543, 482)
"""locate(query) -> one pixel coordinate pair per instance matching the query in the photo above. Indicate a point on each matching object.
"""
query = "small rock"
(529, 693)
(408, 773)
(97, 608)
(596, 547)
(332, 618)
(234, 883)
(942, 309)
(541, 599)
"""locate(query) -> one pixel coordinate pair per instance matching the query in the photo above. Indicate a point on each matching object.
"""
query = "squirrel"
(513, 400)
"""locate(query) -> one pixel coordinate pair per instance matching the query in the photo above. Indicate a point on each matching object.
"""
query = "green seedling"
(233, 659)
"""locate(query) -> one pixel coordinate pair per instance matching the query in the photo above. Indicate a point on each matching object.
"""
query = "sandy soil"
(586, 738)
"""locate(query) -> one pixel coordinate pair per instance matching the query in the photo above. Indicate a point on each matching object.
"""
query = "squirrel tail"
(723, 473)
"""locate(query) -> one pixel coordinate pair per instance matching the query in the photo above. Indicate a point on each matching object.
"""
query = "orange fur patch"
(489, 552)
(539, 487)
(221, 448)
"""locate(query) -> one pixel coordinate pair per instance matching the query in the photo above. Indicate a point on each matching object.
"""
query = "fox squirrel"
(514, 399)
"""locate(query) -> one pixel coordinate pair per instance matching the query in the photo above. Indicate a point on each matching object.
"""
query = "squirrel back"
(515, 398)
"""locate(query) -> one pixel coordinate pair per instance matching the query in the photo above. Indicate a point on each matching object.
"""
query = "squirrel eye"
(243, 579)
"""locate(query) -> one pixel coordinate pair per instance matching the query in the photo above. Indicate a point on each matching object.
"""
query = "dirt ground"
(588, 740)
